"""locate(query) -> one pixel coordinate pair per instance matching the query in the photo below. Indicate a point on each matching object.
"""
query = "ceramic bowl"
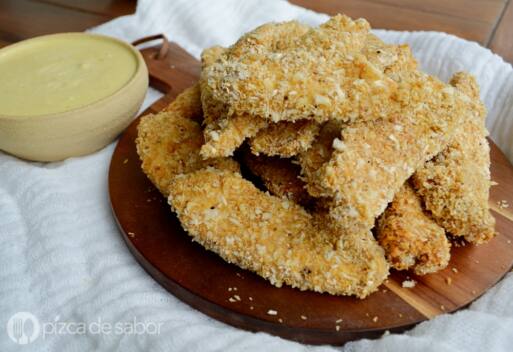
(80, 131)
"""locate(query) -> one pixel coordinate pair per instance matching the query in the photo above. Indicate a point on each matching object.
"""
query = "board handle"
(171, 68)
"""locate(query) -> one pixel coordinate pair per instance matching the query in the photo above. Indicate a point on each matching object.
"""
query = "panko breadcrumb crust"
(168, 143)
(338, 121)
(321, 75)
(312, 159)
(225, 131)
(388, 58)
(186, 104)
(410, 238)
(275, 237)
(222, 134)
(455, 184)
(372, 160)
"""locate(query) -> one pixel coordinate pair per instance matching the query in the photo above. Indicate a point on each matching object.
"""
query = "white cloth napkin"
(62, 258)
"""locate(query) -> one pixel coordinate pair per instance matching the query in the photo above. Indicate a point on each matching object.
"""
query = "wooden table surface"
(489, 22)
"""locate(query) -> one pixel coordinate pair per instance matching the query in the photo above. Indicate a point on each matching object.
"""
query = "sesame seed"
(339, 321)
(448, 280)
(337, 327)
(272, 312)
(375, 319)
(304, 317)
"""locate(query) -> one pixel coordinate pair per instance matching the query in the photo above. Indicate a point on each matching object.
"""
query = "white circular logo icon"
(23, 328)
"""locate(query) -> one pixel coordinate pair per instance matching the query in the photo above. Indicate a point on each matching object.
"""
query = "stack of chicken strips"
(363, 162)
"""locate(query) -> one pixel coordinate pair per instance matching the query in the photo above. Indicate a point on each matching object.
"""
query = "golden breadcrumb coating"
(187, 104)
(285, 138)
(345, 133)
(279, 176)
(372, 160)
(224, 131)
(168, 143)
(319, 153)
(210, 55)
(225, 135)
(388, 58)
(268, 37)
(455, 184)
(322, 75)
(212, 109)
(222, 134)
(274, 237)
(410, 238)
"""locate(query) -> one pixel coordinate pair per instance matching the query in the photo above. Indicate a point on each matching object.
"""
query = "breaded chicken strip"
(274, 237)
(285, 139)
(222, 134)
(322, 75)
(224, 131)
(373, 159)
(168, 143)
(410, 238)
(279, 176)
(455, 184)
(390, 59)
(225, 135)
(319, 153)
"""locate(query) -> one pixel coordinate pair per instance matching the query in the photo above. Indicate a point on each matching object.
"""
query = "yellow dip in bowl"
(67, 94)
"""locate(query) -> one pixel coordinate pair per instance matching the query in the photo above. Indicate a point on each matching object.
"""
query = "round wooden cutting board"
(243, 299)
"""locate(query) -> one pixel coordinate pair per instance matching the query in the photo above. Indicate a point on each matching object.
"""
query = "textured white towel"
(62, 258)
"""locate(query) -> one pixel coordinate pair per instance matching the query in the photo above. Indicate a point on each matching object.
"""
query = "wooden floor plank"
(22, 19)
(382, 15)
(110, 8)
(502, 41)
(475, 10)
(502, 173)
